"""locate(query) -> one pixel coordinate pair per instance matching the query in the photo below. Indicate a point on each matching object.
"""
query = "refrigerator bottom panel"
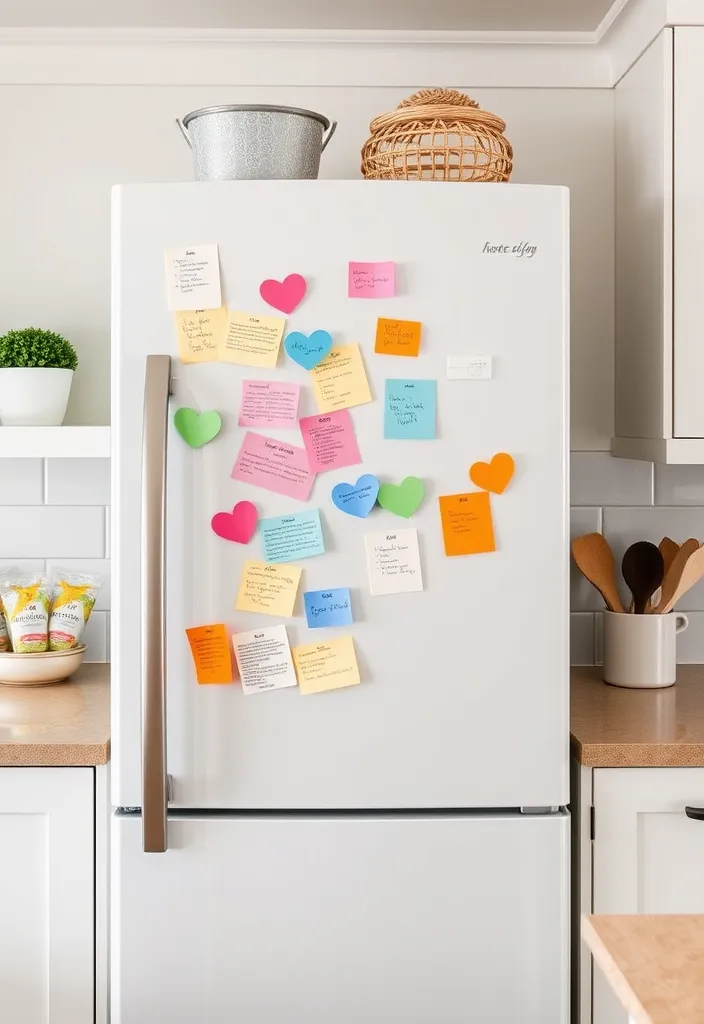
(342, 920)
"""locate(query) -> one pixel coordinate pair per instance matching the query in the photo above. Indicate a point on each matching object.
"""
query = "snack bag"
(5, 644)
(25, 598)
(73, 595)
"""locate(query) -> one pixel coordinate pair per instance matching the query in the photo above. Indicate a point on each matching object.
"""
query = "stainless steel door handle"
(157, 386)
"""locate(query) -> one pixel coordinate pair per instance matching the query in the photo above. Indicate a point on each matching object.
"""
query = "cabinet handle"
(157, 385)
(695, 812)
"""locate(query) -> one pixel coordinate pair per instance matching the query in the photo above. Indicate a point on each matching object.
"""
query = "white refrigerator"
(395, 850)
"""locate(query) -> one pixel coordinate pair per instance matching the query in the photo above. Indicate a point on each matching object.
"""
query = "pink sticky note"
(372, 281)
(330, 440)
(268, 403)
(274, 465)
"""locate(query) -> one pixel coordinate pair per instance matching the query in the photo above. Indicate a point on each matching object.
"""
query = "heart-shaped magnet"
(356, 499)
(238, 525)
(307, 349)
(284, 295)
(494, 476)
(197, 428)
(402, 499)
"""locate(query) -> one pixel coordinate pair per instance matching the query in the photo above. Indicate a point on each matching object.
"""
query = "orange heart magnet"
(494, 476)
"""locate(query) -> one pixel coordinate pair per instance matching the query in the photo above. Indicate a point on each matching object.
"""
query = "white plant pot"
(34, 397)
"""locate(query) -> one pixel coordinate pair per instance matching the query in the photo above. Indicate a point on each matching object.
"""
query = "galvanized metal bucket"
(252, 140)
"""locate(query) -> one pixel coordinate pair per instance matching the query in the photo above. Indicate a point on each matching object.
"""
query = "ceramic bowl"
(39, 669)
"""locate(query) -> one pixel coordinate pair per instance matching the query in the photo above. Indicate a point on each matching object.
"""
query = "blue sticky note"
(409, 410)
(285, 538)
(328, 607)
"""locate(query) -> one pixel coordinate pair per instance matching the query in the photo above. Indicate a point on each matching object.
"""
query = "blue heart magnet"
(356, 499)
(307, 349)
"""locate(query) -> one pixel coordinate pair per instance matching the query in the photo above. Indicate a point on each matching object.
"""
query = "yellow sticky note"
(269, 589)
(252, 340)
(340, 380)
(199, 333)
(326, 666)
(210, 648)
(467, 527)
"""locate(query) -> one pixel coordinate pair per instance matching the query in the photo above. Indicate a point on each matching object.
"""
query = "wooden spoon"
(643, 568)
(691, 574)
(668, 550)
(674, 573)
(595, 561)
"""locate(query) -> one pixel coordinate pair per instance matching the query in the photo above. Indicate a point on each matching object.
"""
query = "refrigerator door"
(463, 700)
(345, 919)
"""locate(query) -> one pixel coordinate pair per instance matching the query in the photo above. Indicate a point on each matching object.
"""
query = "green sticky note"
(402, 499)
(197, 428)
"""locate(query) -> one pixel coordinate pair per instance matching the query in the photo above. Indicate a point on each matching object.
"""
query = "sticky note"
(274, 465)
(326, 666)
(493, 476)
(371, 280)
(328, 607)
(269, 403)
(193, 277)
(199, 333)
(264, 659)
(298, 535)
(269, 589)
(409, 410)
(467, 527)
(330, 441)
(397, 337)
(340, 381)
(197, 428)
(211, 653)
(252, 340)
(393, 562)
(357, 499)
(284, 295)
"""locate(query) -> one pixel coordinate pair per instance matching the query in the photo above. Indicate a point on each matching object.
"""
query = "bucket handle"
(331, 132)
(182, 128)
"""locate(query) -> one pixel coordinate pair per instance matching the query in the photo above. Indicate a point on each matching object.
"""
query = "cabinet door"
(46, 895)
(648, 854)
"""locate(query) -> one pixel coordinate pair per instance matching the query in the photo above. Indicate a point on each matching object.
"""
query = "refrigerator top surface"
(463, 699)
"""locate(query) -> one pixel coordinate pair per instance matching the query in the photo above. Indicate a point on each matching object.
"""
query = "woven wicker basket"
(438, 135)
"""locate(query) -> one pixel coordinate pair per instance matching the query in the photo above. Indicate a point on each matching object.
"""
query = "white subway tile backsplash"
(582, 638)
(690, 644)
(78, 481)
(622, 526)
(95, 637)
(679, 485)
(21, 482)
(57, 531)
(583, 596)
(598, 479)
(94, 566)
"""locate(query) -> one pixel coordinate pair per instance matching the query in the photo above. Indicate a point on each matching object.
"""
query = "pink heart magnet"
(284, 295)
(238, 525)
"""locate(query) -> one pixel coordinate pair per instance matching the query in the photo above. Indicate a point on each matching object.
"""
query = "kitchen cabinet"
(659, 227)
(47, 902)
(638, 853)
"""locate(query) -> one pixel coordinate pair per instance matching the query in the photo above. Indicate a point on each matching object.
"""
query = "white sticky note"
(193, 277)
(469, 367)
(264, 659)
(393, 562)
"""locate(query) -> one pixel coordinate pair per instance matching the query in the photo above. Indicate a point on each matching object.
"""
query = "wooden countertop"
(612, 727)
(654, 963)
(62, 725)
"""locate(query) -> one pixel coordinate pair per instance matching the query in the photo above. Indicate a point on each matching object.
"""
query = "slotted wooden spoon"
(691, 573)
(595, 560)
(674, 574)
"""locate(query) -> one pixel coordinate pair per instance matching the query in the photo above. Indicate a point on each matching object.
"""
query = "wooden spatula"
(692, 572)
(643, 568)
(668, 550)
(595, 560)
(674, 574)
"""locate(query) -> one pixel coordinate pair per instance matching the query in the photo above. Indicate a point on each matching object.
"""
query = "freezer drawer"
(342, 920)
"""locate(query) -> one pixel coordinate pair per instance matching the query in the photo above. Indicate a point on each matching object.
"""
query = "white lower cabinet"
(647, 854)
(47, 938)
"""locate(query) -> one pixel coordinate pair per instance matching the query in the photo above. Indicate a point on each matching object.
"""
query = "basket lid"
(438, 104)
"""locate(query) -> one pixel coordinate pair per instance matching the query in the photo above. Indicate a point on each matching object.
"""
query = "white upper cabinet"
(659, 233)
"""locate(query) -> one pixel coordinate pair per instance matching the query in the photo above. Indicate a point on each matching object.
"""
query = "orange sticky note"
(397, 337)
(467, 527)
(210, 648)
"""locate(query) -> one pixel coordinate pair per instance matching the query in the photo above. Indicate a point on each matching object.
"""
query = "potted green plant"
(36, 372)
